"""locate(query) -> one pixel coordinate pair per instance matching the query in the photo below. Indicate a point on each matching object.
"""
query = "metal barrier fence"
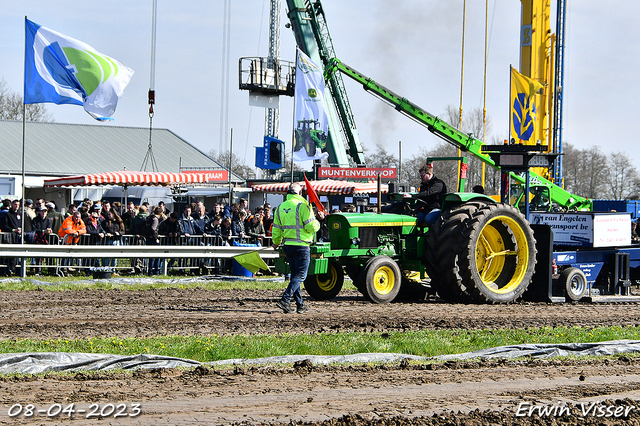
(194, 254)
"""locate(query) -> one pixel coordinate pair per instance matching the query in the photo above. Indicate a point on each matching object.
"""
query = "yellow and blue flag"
(523, 107)
(61, 70)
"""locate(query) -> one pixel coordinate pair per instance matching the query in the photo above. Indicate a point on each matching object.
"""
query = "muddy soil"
(491, 392)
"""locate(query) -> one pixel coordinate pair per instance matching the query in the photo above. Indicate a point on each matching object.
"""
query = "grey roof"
(57, 149)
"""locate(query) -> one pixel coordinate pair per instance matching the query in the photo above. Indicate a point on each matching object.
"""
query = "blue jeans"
(298, 257)
(155, 265)
(428, 218)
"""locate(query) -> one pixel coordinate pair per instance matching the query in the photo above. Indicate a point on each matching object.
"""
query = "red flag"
(313, 197)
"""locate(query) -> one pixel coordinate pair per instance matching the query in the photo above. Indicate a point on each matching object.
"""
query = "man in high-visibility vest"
(294, 226)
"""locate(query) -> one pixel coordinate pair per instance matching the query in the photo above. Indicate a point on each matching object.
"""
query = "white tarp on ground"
(43, 362)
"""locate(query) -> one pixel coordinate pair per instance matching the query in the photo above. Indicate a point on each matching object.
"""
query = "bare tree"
(381, 158)
(474, 123)
(571, 165)
(585, 171)
(238, 167)
(11, 107)
(621, 176)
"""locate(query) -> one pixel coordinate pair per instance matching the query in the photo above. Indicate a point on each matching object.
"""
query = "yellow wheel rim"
(327, 281)
(384, 280)
(493, 254)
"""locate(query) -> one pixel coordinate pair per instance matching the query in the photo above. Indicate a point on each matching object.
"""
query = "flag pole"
(230, 158)
(510, 103)
(293, 133)
(23, 262)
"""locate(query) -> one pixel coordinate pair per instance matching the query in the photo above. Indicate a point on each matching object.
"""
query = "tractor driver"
(430, 192)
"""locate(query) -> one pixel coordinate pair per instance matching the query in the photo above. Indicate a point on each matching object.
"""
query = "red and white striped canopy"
(128, 178)
(325, 187)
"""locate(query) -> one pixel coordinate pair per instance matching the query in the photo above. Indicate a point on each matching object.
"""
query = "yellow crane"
(537, 61)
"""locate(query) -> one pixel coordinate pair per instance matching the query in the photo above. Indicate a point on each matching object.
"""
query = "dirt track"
(398, 393)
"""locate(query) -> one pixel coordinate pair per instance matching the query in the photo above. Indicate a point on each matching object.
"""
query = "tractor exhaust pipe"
(379, 193)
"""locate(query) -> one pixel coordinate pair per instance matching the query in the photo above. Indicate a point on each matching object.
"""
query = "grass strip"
(85, 283)
(421, 343)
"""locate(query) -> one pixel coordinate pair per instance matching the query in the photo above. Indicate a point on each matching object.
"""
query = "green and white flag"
(310, 118)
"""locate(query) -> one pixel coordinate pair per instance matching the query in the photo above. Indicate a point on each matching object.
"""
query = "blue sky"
(411, 46)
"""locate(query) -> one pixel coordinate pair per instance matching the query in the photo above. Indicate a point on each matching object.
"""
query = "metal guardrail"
(117, 252)
(130, 252)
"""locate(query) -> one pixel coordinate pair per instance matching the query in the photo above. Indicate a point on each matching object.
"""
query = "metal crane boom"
(450, 134)
(312, 36)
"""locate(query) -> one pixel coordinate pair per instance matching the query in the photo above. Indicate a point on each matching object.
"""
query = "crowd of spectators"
(103, 222)
(106, 223)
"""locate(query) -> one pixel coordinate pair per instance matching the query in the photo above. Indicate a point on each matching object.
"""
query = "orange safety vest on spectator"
(69, 227)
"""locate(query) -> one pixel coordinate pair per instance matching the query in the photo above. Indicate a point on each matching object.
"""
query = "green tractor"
(478, 251)
(309, 136)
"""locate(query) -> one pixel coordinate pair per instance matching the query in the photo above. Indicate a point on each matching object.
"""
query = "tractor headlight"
(355, 241)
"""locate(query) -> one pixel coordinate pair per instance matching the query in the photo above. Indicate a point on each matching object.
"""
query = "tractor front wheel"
(325, 286)
(381, 279)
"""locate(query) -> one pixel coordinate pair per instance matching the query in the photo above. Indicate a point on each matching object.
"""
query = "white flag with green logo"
(310, 118)
(61, 70)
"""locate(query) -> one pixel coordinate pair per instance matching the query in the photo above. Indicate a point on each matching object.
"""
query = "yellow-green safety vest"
(294, 222)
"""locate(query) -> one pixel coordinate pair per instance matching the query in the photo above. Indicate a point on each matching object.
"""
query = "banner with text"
(212, 175)
(358, 173)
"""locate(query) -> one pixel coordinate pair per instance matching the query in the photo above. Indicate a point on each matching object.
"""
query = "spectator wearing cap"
(94, 227)
(28, 210)
(56, 217)
(29, 215)
(41, 226)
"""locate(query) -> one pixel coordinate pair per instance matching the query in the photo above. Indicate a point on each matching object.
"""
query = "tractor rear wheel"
(325, 286)
(381, 279)
(485, 250)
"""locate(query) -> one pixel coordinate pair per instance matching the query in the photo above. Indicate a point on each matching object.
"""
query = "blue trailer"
(584, 256)
(629, 206)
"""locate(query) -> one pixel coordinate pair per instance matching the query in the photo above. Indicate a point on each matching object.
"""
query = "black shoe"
(286, 307)
(302, 309)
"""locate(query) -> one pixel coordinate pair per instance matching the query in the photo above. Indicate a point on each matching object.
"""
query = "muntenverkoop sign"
(357, 173)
